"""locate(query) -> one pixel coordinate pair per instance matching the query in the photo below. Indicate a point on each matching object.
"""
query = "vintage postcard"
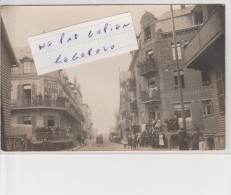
(113, 78)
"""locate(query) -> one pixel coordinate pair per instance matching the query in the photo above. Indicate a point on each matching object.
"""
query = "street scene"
(168, 95)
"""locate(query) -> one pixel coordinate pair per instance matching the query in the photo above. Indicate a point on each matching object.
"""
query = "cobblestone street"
(110, 146)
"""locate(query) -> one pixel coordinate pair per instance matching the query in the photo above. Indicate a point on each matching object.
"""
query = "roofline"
(194, 6)
(136, 52)
(5, 39)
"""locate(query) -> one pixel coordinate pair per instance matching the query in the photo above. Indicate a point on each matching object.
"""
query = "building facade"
(8, 60)
(206, 52)
(88, 124)
(153, 68)
(47, 100)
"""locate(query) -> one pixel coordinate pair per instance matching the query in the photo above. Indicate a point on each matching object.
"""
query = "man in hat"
(195, 139)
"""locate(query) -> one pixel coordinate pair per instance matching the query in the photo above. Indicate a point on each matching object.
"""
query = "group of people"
(150, 136)
(99, 140)
(52, 133)
(132, 141)
(195, 142)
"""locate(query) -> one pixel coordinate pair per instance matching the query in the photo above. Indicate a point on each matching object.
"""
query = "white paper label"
(83, 43)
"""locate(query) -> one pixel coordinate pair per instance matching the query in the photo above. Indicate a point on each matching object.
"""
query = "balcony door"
(27, 95)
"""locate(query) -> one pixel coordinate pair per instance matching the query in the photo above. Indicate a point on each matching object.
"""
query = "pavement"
(110, 146)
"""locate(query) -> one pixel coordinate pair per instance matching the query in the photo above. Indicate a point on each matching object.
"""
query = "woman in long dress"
(161, 140)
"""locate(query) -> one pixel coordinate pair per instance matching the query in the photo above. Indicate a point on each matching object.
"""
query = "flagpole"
(178, 70)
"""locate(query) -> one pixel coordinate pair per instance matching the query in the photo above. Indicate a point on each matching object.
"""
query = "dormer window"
(147, 33)
(27, 67)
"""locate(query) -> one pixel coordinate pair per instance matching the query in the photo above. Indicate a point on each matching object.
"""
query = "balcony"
(149, 96)
(146, 67)
(59, 103)
(131, 84)
(133, 107)
(211, 30)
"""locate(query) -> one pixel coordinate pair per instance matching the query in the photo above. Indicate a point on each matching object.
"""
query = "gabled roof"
(23, 52)
(5, 40)
(176, 13)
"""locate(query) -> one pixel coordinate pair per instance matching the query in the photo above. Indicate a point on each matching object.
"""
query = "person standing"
(195, 140)
(183, 140)
(161, 140)
(202, 145)
(125, 141)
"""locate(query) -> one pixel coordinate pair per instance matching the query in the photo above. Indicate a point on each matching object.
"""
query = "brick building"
(8, 60)
(153, 69)
(47, 100)
(206, 52)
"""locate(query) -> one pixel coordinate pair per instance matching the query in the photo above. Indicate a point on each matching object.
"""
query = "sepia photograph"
(131, 78)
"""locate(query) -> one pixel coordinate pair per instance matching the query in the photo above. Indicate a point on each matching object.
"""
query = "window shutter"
(19, 95)
(33, 121)
(33, 93)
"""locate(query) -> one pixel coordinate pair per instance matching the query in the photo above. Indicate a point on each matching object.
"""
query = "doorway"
(27, 95)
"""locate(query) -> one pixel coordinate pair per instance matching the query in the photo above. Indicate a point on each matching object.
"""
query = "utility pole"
(178, 70)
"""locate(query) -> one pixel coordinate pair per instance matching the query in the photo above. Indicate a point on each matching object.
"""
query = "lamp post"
(178, 70)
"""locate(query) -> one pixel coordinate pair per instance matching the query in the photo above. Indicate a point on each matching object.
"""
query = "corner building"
(153, 67)
(206, 52)
(47, 100)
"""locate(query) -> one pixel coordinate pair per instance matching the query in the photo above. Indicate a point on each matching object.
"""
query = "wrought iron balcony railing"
(150, 96)
(58, 103)
(147, 66)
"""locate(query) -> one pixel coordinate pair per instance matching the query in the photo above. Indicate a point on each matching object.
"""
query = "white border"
(227, 71)
(107, 173)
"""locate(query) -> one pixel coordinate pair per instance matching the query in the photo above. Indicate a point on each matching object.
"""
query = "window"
(27, 120)
(147, 33)
(50, 121)
(187, 111)
(27, 95)
(178, 51)
(50, 88)
(27, 67)
(205, 79)
(198, 16)
(207, 107)
(149, 54)
(176, 79)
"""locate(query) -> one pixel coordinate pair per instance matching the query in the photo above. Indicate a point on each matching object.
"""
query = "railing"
(55, 134)
(181, 32)
(147, 66)
(148, 96)
(58, 103)
(212, 28)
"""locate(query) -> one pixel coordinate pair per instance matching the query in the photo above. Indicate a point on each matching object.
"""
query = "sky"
(99, 80)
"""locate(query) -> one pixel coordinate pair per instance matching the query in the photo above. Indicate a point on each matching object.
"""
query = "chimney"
(182, 6)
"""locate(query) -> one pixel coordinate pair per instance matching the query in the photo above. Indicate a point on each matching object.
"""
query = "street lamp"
(178, 70)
